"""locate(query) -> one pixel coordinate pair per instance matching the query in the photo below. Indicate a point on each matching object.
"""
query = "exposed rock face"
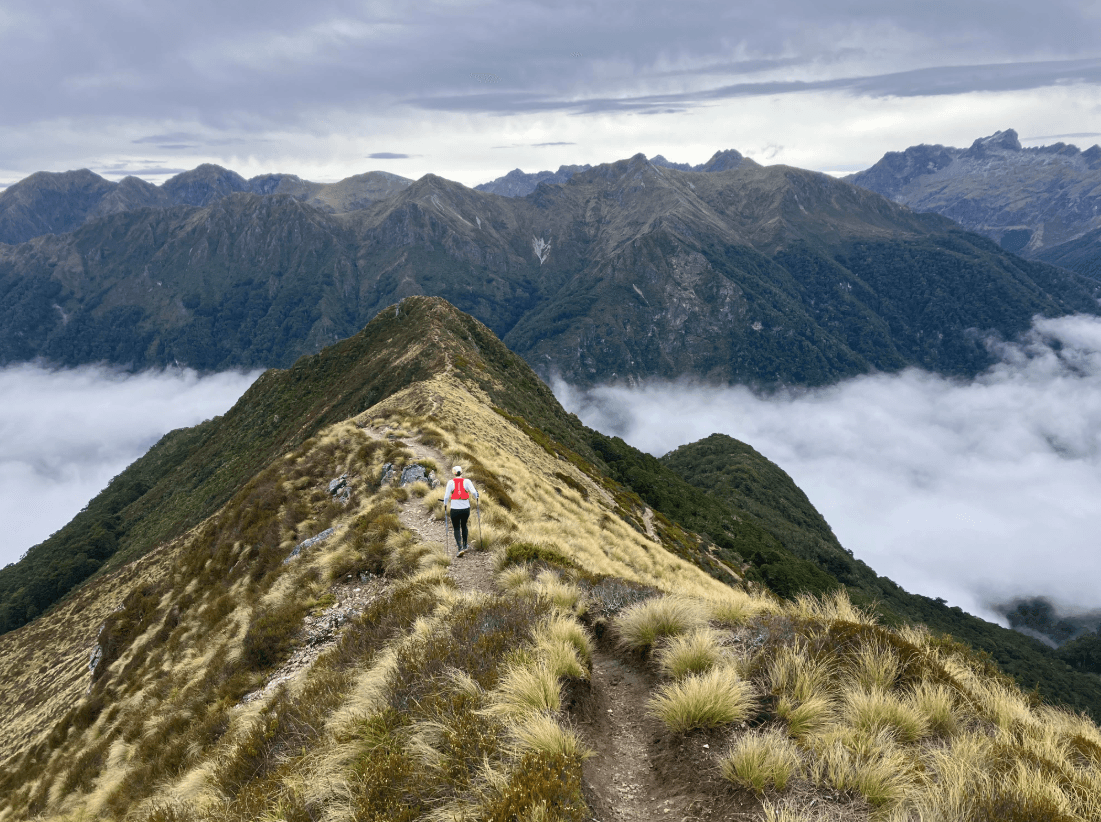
(306, 544)
(413, 473)
(518, 184)
(388, 472)
(1029, 200)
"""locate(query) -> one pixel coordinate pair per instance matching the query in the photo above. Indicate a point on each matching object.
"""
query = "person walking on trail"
(458, 493)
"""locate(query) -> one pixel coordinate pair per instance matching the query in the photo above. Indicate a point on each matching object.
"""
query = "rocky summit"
(730, 272)
(280, 630)
(1042, 202)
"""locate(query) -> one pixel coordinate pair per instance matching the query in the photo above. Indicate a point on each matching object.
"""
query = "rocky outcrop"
(306, 544)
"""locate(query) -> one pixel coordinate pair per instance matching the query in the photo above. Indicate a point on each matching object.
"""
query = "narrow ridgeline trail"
(638, 771)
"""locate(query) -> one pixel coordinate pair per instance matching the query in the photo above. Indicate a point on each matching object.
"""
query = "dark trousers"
(459, 516)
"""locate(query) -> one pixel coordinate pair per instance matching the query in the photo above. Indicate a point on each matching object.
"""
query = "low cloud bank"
(980, 492)
(64, 434)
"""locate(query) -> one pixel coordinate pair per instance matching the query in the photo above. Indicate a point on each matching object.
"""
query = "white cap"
(457, 470)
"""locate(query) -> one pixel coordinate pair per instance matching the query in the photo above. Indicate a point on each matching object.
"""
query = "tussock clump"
(270, 636)
(543, 734)
(693, 653)
(708, 700)
(527, 553)
(936, 704)
(737, 608)
(525, 690)
(872, 766)
(643, 624)
(791, 672)
(808, 716)
(874, 711)
(761, 761)
(560, 628)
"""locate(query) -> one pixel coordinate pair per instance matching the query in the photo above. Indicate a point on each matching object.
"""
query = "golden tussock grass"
(708, 700)
(525, 690)
(695, 652)
(873, 711)
(643, 624)
(806, 716)
(762, 760)
(738, 607)
(544, 734)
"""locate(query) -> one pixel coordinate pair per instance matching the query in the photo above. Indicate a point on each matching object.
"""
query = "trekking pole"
(446, 548)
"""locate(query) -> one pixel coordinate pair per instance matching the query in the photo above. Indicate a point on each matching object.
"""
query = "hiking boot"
(463, 551)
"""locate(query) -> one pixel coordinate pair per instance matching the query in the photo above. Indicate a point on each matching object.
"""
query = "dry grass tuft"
(543, 734)
(525, 690)
(763, 760)
(641, 625)
(806, 717)
(874, 711)
(708, 700)
(693, 653)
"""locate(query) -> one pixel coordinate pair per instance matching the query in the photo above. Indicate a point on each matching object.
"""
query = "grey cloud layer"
(65, 434)
(977, 492)
(252, 65)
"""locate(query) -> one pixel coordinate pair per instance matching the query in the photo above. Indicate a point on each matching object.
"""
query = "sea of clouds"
(65, 433)
(976, 491)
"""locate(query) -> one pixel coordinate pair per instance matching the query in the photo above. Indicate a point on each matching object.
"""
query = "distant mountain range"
(1043, 203)
(628, 270)
(518, 184)
(57, 203)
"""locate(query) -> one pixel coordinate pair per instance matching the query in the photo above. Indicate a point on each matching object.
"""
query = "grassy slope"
(192, 473)
(440, 699)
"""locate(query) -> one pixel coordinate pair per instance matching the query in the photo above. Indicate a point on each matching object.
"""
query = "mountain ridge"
(1037, 202)
(61, 202)
(758, 275)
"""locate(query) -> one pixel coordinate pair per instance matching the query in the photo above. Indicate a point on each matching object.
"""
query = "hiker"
(458, 493)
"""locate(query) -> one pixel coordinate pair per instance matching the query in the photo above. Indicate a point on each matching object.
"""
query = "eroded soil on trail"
(640, 771)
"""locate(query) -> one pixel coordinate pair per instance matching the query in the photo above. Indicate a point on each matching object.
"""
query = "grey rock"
(309, 543)
(339, 483)
(387, 474)
(97, 655)
(413, 473)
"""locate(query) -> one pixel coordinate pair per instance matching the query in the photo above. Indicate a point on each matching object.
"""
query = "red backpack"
(460, 491)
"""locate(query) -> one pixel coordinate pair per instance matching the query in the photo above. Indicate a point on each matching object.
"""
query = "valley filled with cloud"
(66, 433)
(974, 491)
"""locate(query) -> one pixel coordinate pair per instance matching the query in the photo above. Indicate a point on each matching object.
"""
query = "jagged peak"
(999, 140)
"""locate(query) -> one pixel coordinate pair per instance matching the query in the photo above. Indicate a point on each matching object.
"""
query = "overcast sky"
(470, 90)
(978, 492)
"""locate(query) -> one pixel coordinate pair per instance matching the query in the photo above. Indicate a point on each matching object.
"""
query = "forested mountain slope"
(629, 270)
